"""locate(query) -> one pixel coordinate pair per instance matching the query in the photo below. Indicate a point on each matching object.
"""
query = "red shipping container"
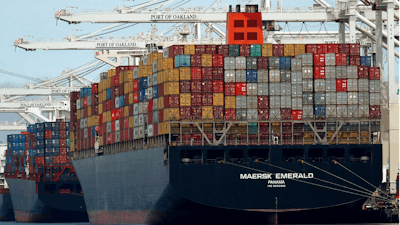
(117, 92)
(333, 48)
(263, 102)
(95, 89)
(27, 145)
(120, 69)
(341, 59)
(196, 112)
(48, 134)
(244, 50)
(344, 49)
(101, 119)
(297, 114)
(56, 160)
(197, 139)
(116, 80)
(85, 102)
(263, 114)
(184, 86)
(341, 85)
(130, 110)
(160, 115)
(230, 89)
(171, 101)
(218, 112)
(136, 85)
(230, 114)
(195, 73)
(108, 105)
(113, 138)
(196, 86)
(355, 60)
(126, 122)
(218, 86)
(241, 88)
(118, 114)
(286, 114)
(195, 60)
(374, 73)
(207, 99)
(311, 48)
(354, 49)
(363, 72)
(104, 128)
(95, 99)
(175, 50)
(196, 99)
(155, 129)
(161, 90)
(112, 115)
(63, 134)
(126, 99)
(322, 48)
(207, 73)
(150, 117)
(217, 60)
(63, 159)
(217, 73)
(319, 72)
(135, 96)
(374, 111)
(199, 49)
(207, 86)
(85, 112)
(186, 139)
(185, 113)
(63, 142)
(126, 135)
(211, 49)
(223, 49)
(262, 63)
(277, 50)
(121, 124)
(112, 81)
(150, 105)
(319, 60)
(39, 160)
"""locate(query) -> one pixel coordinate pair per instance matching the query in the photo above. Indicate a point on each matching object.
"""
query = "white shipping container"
(352, 84)
(274, 76)
(165, 53)
(241, 102)
(117, 125)
(341, 98)
(275, 102)
(135, 108)
(149, 80)
(330, 85)
(297, 90)
(297, 103)
(135, 72)
(251, 88)
(275, 114)
(363, 111)
(352, 98)
(262, 89)
(363, 98)
(330, 72)
(149, 93)
(341, 72)
(319, 85)
(89, 101)
(262, 76)
(331, 98)
(330, 111)
(308, 85)
(286, 88)
(116, 103)
(229, 75)
(308, 111)
(252, 102)
(306, 59)
(146, 60)
(374, 98)
(136, 133)
(330, 59)
(136, 121)
(78, 104)
(352, 72)
(374, 86)
(141, 132)
(341, 111)
(252, 114)
(274, 89)
(352, 111)
(307, 72)
(240, 75)
(150, 130)
(141, 120)
(363, 85)
(229, 63)
(240, 63)
(297, 77)
(286, 102)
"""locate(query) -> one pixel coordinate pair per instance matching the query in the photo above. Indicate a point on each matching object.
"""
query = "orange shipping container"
(266, 50)
(111, 73)
(206, 60)
(288, 50)
(128, 76)
(161, 102)
(207, 112)
(171, 88)
(122, 77)
(130, 122)
(189, 50)
(126, 111)
(185, 99)
(72, 146)
(218, 99)
(100, 110)
(171, 114)
(299, 49)
(160, 128)
(184, 73)
(165, 64)
(166, 127)
(89, 111)
(100, 87)
(101, 141)
(230, 102)
(172, 75)
(147, 71)
(78, 114)
(130, 98)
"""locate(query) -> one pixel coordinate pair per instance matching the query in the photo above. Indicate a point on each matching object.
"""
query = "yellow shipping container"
(108, 83)
(184, 73)
(288, 50)
(171, 114)
(171, 88)
(72, 146)
(121, 77)
(89, 111)
(160, 128)
(172, 75)
(185, 99)
(218, 99)
(130, 122)
(140, 70)
(299, 49)
(189, 50)
(206, 60)
(230, 102)
(266, 50)
(105, 117)
(128, 76)
(207, 112)
(105, 95)
(78, 114)
(96, 120)
(126, 111)
(147, 71)
(166, 127)
(161, 102)
(130, 96)
(111, 73)
(126, 88)
(101, 141)
(130, 87)
(165, 64)
(72, 136)
(100, 87)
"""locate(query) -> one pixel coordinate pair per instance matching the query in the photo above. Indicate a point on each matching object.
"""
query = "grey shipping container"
(307, 59)
(352, 111)
(241, 114)
(150, 130)
(135, 108)
(297, 90)
(330, 111)
(155, 66)
(136, 73)
(296, 77)
(307, 72)
(155, 78)
(141, 132)
(252, 102)
(251, 63)
(285, 76)
(252, 114)
(363, 98)
(308, 85)
(352, 84)
(149, 80)
(275, 102)
(363, 85)
(136, 133)
(286, 102)
(330, 85)
(241, 102)
(274, 75)
(374, 86)
(136, 120)
(116, 102)
(330, 72)
(262, 76)
(89, 101)
(141, 119)
(103, 76)
(275, 114)
(240, 75)
(308, 111)
(374, 98)
(319, 85)
(331, 98)
(308, 98)
(297, 103)
(330, 59)
(296, 64)
(149, 93)
(262, 89)
(117, 137)
(165, 53)
(352, 98)
(229, 63)
(341, 72)
(363, 111)
(108, 127)
(341, 98)
(146, 60)
(155, 117)
(229, 76)
(286, 88)
(341, 111)
(274, 88)
(319, 98)
(155, 104)
(274, 62)
(240, 63)
(352, 72)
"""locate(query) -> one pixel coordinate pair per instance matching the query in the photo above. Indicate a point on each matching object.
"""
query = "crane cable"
(19, 75)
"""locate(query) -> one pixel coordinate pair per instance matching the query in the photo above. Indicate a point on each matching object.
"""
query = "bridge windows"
(315, 155)
(259, 155)
(191, 156)
(215, 156)
(238, 36)
(251, 23)
(251, 36)
(238, 23)
(336, 154)
(362, 155)
(236, 155)
(292, 155)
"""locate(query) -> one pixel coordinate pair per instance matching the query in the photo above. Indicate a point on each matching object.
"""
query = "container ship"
(6, 208)
(242, 133)
(42, 181)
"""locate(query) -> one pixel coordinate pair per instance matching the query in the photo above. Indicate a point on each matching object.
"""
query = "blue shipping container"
(142, 96)
(56, 143)
(142, 83)
(155, 91)
(319, 111)
(48, 143)
(285, 63)
(108, 94)
(21, 145)
(93, 131)
(9, 138)
(39, 127)
(39, 144)
(48, 126)
(251, 76)
(48, 151)
(55, 126)
(67, 125)
(366, 61)
(15, 138)
(121, 101)
(56, 151)
(31, 128)
(40, 152)
(184, 60)
(21, 137)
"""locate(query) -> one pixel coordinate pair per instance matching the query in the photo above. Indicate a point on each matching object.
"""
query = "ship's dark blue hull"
(6, 208)
(139, 187)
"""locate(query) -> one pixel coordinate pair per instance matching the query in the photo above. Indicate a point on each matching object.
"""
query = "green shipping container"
(68, 143)
(253, 128)
(255, 50)
(234, 50)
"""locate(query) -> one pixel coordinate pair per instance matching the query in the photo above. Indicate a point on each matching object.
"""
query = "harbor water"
(12, 223)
